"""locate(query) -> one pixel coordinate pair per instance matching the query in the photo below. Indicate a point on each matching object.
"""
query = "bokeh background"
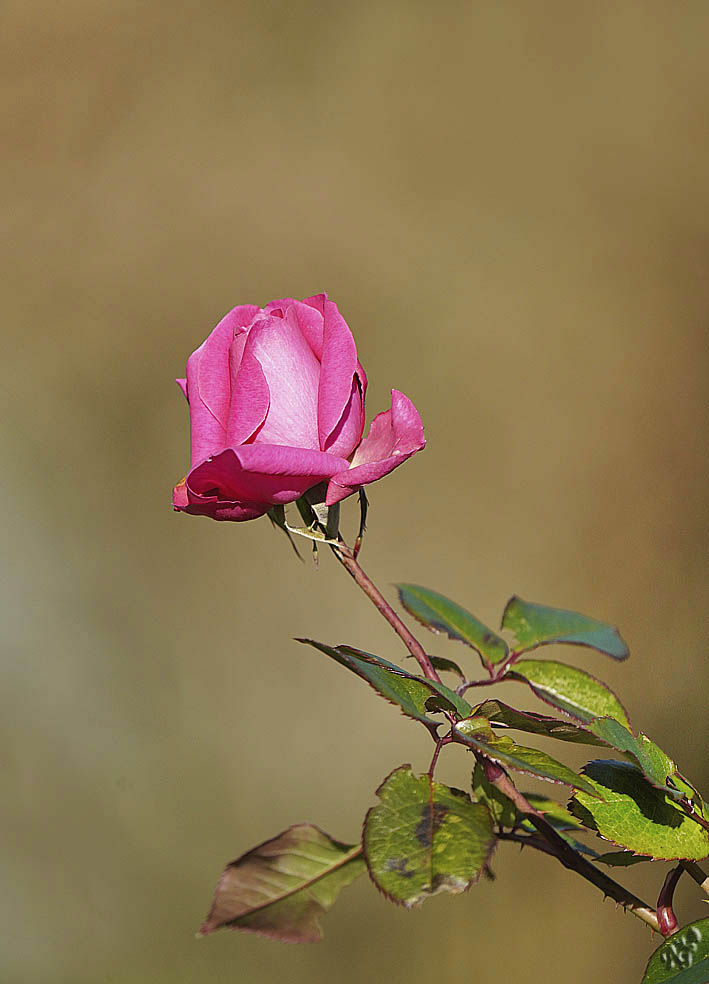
(509, 203)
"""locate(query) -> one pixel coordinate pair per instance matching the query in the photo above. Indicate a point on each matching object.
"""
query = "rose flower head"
(276, 399)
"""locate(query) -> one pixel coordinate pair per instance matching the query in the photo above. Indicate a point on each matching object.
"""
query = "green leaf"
(280, 888)
(500, 714)
(570, 689)
(683, 958)
(440, 614)
(537, 625)
(444, 665)
(557, 815)
(416, 696)
(656, 766)
(423, 838)
(475, 732)
(502, 810)
(633, 814)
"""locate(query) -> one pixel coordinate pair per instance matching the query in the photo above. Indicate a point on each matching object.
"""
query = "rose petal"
(184, 500)
(394, 436)
(348, 432)
(213, 376)
(338, 367)
(208, 384)
(250, 396)
(182, 383)
(292, 374)
(262, 474)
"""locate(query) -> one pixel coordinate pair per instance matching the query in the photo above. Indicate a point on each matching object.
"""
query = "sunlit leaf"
(538, 625)
(500, 714)
(570, 689)
(683, 958)
(631, 813)
(423, 838)
(656, 766)
(475, 732)
(282, 887)
(417, 697)
(440, 614)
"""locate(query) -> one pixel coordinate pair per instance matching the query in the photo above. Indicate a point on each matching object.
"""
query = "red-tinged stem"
(439, 745)
(563, 851)
(695, 872)
(347, 558)
(665, 913)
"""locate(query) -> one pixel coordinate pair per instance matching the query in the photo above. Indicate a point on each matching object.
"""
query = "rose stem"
(563, 851)
(695, 872)
(346, 557)
(558, 847)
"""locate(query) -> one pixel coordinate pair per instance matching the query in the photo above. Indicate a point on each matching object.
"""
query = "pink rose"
(276, 401)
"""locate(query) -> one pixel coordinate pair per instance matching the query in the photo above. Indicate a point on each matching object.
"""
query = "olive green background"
(508, 201)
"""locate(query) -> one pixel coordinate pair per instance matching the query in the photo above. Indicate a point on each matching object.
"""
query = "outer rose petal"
(208, 384)
(182, 383)
(394, 436)
(202, 505)
(261, 475)
(338, 368)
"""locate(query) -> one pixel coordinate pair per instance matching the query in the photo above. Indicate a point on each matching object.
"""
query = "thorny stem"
(550, 841)
(347, 558)
(695, 872)
(560, 849)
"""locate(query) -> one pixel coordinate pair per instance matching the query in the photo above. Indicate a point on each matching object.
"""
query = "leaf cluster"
(422, 837)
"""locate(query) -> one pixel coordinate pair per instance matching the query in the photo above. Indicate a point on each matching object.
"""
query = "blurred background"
(508, 201)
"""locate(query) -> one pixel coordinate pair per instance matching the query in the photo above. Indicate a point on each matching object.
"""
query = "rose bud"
(276, 399)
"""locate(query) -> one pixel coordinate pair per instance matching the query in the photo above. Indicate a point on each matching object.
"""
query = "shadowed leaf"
(444, 665)
(440, 614)
(622, 859)
(570, 689)
(475, 732)
(502, 810)
(633, 814)
(683, 958)
(538, 625)
(500, 714)
(423, 838)
(416, 696)
(557, 815)
(280, 888)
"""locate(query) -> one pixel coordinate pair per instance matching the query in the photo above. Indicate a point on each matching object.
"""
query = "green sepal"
(538, 625)
(281, 888)
(570, 689)
(631, 813)
(423, 838)
(414, 695)
(476, 733)
(440, 614)
(683, 958)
